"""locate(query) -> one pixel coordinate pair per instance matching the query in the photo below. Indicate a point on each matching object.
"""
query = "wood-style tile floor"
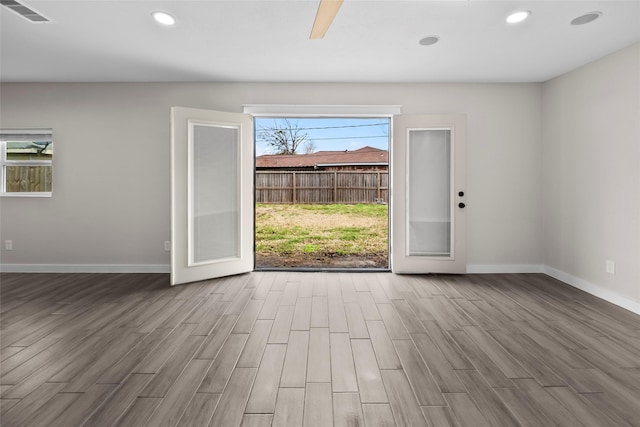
(314, 349)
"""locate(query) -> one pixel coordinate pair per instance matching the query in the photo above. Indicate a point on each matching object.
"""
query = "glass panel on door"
(429, 195)
(214, 193)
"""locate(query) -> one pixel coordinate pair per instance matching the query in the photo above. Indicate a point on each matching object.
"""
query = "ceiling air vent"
(24, 11)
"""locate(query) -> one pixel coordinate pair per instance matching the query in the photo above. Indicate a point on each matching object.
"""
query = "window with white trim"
(26, 160)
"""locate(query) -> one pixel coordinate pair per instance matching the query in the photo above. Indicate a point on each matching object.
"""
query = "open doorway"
(322, 193)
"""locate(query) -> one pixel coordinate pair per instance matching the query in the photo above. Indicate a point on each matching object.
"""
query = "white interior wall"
(110, 204)
(591, 176)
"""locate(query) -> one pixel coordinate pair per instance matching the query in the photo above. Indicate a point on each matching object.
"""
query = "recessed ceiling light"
(586, 18)
(519, 16)
(428, 41)
(163, 18)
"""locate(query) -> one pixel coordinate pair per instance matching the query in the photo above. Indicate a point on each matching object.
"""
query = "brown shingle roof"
(364, 155)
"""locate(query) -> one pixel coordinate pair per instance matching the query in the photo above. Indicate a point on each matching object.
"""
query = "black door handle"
(461, 205)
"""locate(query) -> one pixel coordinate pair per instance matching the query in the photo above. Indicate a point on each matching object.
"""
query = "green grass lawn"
(324, 229)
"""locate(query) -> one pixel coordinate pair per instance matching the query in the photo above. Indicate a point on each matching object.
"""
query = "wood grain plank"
(139, 412)
(270, 306)
(302, 315)
(24, 353)
(294, 373)
(318, 406)
(440, 369)
(256, 420)
(421, 380)
(252, 352)
(320, 284)
(248, 317)
(361, 281)
(490, 405)
(408, 316)
(604, 403)
(200, 410)
(230, 409)
(115, 405)
(519, 349)
(290, 294)
(347, 287)
(220, 370)
(52, 359)
(281, 325)
(51, 411)
(393, 323)
(465, 410)
(337, 316)
(452, 352)
(82, 407)
(155, 359)
(25, 407)
(343, 374)
(355, 321)
(378, 294)
(171, 370)
(306, 288)
(319, 357)
(217, 337)
(347, 411)
(265, 388)
(546, 404)
(489, 370)
(289, 407)
(579, 407)
(378, 415)
(505, 362)
(368, 306)
(440, 416)
(319, 312)
(119, 370)
(367, 372)
(383, 347)
(404, 405)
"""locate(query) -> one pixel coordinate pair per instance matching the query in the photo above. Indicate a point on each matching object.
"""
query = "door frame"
(335, 111)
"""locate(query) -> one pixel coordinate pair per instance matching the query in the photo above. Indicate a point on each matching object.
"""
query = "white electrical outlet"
(611, 267)
(8, 245)
(167, 246)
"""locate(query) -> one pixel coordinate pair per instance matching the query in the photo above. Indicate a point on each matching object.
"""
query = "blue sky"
(330, 134)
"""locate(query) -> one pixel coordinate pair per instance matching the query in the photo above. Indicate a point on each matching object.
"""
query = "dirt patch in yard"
(321, 261)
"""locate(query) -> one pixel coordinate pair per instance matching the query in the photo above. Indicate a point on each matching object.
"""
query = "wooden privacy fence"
(322, 187)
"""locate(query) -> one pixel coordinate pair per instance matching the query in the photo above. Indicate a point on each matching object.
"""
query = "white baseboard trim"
(85, 268)
(593, 289)
(503, 268)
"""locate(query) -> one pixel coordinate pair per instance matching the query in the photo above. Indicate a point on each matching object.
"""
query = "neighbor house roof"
(362, 156)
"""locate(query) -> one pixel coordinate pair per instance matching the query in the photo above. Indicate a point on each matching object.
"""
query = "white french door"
(211, 194)
(428, 195)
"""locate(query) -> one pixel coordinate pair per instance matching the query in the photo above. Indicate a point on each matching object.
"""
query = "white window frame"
(4, 163)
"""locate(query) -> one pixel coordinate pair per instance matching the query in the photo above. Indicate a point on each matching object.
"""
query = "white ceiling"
(268, 41)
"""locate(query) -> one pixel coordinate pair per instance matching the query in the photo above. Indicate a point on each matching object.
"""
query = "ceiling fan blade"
(327, 10)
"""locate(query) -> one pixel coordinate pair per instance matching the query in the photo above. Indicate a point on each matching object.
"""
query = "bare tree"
(284, 137)
(310, 147)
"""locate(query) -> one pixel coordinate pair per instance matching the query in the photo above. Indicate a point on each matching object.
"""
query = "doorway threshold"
(324, 270)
